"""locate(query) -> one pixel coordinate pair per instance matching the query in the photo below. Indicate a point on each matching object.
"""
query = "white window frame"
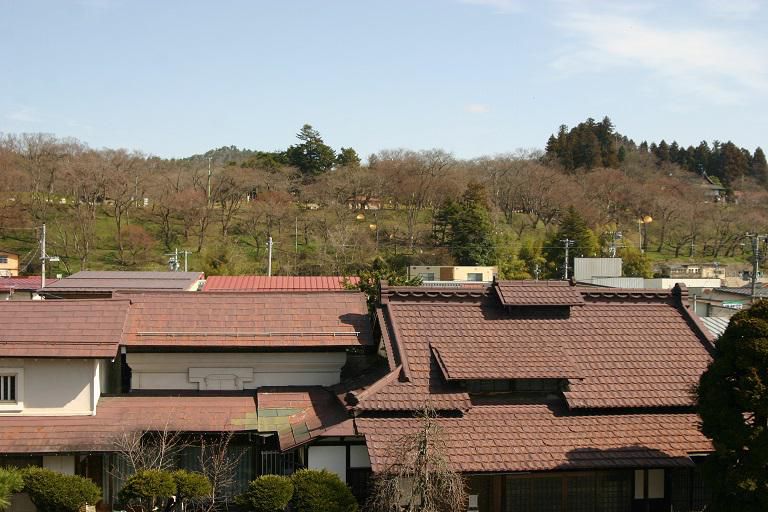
(17, 405)
(477, 275)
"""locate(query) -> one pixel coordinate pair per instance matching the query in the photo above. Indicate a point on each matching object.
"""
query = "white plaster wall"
(172, 370)
(332, 458)
(60, 463)
(54, 387)
(358, 456)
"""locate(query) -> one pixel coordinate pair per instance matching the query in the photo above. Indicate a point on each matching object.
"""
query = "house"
(89, 284)
(9, 264)
(727, 301)
(278, 283)
(77, 376)
(363, 202)
(550, 396)
(445, 274)
(698, 270)
(21, 288)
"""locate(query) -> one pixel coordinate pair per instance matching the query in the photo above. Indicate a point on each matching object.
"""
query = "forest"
(328, 211)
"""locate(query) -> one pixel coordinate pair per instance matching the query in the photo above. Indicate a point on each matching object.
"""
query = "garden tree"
(381, 270)
(347, 157)
(267, 493)
(584, 243)
(321, 491)
(417, 476)
(312, 156)
(759, 167)
(469, 235)
(191, 487)
(56, 492)
(635, 263)
(148, 488)
(11, 482)
(732, 400)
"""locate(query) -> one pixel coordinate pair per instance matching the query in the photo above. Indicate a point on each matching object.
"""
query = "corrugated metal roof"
(92, 281)
(277, 283)
(716, 325)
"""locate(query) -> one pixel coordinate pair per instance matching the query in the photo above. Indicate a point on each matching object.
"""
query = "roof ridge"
(377, 386)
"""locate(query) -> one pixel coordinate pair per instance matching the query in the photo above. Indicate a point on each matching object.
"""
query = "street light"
(642, 229)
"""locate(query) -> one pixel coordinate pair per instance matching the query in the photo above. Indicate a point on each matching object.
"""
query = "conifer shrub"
(147, 488)
(11, 482)
(56, 492)
(268, 493)
(321, 491)
(191, 485)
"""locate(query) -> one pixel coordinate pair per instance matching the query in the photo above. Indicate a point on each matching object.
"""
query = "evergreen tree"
(469, 234)
(573, 227)
(759, 167)
(732, 399)
(733, 164)
(622, 154)
(348, 157)
(312, 156)
(643, 147)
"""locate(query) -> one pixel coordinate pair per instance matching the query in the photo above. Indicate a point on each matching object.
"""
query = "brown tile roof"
(300, 415)
(64, 328)
(538, 437)
(256, 319)
(25, 283)
(538, 293)
(621, 349)
(125, 414)
(297, 415)
(106, 281)
(277, 283)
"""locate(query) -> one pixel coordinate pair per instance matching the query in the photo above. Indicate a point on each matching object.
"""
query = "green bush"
(268, 493)
(191, 485)
(56, 492)
(10, 482)
(147, 488)
(321, 491)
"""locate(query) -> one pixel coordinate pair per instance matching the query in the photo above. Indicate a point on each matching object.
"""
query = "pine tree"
(759, 167)
(573, 227)
(312, 156)
(468, 234)
(732, 399)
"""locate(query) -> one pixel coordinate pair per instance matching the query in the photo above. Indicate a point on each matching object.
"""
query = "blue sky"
(475, 77)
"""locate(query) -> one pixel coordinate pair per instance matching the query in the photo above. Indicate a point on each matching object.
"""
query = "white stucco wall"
(233, 370)
(54, 387)
(332, 458)
(60, 463)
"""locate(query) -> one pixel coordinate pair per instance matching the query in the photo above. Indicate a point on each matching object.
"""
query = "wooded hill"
(330, 214)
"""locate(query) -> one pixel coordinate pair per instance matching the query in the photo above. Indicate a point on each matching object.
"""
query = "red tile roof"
(267, 319)
(313, 412)
(26, 283)
(62, 328)
(538, 293)
(277, 283)
(538, 437)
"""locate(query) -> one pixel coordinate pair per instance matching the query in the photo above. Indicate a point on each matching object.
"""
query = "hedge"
(321, 491)
(56, 492)
(268, 493)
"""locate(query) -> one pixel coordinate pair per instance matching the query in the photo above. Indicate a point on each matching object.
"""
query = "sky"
(473, 77)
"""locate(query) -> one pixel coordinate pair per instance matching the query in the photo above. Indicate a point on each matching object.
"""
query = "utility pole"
(756, 239)
(536, 271)
(568, 243)
(269, 264)
(43, 257)
(296, 253)
(186, 255)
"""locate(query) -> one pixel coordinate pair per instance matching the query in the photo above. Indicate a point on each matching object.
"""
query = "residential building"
(453, 274)
(21, 288)
(89, 284)
(278, 283)
(9, 264)
(585, 269)
(550, 396)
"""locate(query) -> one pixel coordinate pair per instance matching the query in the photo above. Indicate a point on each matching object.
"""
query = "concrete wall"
(60, 463)
(332, 458)
(587, 268)
(52, 387)
(233, 371)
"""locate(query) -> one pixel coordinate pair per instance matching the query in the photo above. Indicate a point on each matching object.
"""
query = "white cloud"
(502, 6)
(23, 115)
(477, 108)
(715, 65)
(733, 9)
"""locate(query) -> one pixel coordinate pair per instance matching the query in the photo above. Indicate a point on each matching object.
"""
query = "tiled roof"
(761, 290)
(105, 281)
(62, 328)
(268, 319)
(538, 437)
(26, 283)
(299, 415)
(277, 283)
(538, 293)
(125, 414)
(296, 415)
(621, 349)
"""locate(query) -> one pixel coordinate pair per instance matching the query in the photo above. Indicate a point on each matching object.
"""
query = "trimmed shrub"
(321, 491)
(191, 485)
(148, 488)
(56, 492)
(11, 482)
(268, 493)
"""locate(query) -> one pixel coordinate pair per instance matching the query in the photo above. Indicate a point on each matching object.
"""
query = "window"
(3, 260)
(427, 276)
(474, 276)
(8, 388)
